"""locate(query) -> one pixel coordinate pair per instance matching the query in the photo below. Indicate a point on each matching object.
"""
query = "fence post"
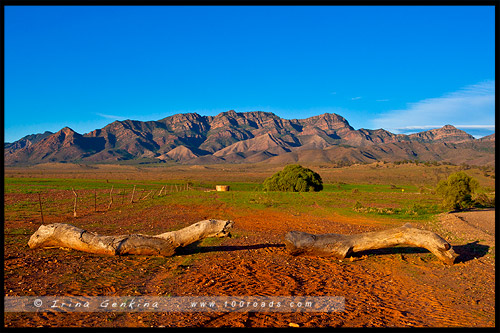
(40, 202)
(74, 206)
(132, 199)
(110, 197)
(147, 195)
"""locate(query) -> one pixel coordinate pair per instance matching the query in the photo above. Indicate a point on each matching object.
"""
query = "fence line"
(144, 194)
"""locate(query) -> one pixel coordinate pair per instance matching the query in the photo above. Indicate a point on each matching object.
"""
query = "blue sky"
(401, 68)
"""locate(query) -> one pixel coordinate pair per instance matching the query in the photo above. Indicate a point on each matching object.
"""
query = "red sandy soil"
(389, 287)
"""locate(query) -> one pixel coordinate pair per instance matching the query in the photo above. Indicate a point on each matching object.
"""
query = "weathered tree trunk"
(68, 236)
(340, 246)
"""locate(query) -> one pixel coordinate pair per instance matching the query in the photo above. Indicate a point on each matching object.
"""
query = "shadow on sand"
(470, 251)
(465, 252)
(194, 248)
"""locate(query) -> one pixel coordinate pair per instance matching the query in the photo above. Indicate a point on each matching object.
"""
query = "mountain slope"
(26, 141)
(234, 137)
(446, 133)
(65, 145)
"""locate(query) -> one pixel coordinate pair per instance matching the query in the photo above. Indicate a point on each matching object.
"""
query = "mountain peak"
(448, 127)
(63, 134)
(234, 137)
(446, 133)
(328, 122)
(66, 130)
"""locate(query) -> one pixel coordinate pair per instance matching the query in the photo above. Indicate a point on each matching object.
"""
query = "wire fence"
(80, 202)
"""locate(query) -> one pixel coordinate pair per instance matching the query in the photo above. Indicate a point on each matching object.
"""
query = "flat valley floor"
(398, 287)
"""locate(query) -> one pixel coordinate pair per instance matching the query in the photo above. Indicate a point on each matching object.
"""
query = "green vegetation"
(374, 200)
(482, 200)
(415, 211)
(385, 194)
(294, 178)
(457, 190)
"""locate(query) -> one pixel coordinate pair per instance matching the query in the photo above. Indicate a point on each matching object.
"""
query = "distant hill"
(27, 141)
(248, 137)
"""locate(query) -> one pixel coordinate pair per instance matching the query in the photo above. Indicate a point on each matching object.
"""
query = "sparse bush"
(415, 210)
(358, 206)
(294, 178)
(482, 200)
(457, 191)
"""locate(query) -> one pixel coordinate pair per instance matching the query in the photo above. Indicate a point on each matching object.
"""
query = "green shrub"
(457, 191)
(482, 200)
(294, 178)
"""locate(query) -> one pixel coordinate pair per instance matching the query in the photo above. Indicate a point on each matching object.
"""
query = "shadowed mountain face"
(233, 137)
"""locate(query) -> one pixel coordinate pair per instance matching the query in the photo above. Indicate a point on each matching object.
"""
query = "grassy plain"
(378, 190)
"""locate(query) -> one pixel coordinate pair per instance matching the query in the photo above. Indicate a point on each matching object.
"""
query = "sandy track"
(477, 225)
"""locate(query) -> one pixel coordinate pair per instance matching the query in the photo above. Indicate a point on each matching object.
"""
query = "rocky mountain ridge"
(234, 137)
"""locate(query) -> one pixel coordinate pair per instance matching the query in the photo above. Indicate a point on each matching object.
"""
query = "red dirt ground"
(390, 287)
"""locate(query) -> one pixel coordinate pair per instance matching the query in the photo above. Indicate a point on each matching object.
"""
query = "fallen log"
(69, 236)
(341, 246)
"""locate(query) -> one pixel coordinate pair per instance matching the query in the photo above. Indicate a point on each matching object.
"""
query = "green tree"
(457, 190)
(294, 178)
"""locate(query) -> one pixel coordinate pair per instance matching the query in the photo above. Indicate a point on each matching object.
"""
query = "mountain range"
(247, 137)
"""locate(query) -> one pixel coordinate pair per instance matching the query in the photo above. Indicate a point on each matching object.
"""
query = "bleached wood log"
(341, 246)
(69, 236)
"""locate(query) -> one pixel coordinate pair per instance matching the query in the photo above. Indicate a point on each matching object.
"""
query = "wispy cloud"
(426, 127)
(355, 98)
(109, 116)
(487, 127)
(473, 106)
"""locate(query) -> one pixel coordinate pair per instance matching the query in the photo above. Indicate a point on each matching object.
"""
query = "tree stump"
(341, 246)
(69, 236)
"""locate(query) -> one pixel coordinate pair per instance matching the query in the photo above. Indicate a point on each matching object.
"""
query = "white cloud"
(355, 98)
(473, 105)
(109, 116)
(487, 127)
(426, 127)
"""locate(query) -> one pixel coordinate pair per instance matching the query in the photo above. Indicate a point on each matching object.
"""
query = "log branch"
(69, 236)
(341, 246)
